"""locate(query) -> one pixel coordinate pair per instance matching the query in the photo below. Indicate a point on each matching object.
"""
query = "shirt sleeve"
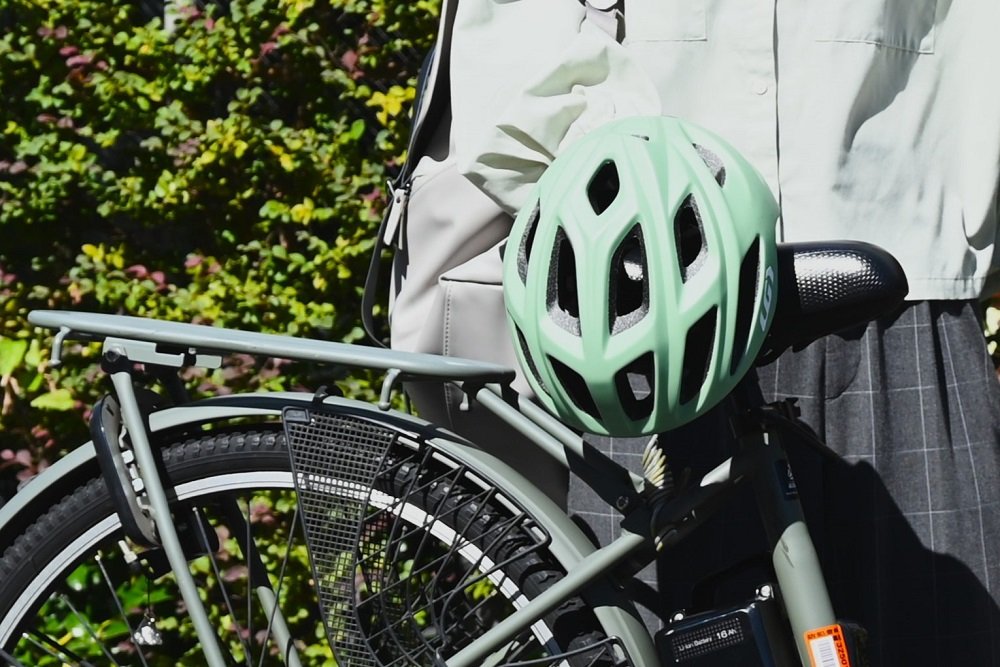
(528, 77)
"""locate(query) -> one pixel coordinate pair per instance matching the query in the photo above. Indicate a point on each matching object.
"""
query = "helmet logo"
(768, 301)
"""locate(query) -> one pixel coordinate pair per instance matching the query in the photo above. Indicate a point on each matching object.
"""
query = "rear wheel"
(440, 557)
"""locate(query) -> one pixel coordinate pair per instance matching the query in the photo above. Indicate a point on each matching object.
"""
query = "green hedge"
(227, 166)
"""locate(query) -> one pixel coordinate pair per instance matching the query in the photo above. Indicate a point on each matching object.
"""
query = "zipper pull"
(397, 206)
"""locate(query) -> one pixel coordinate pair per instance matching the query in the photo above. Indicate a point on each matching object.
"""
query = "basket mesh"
(335, 460)
(411, 560)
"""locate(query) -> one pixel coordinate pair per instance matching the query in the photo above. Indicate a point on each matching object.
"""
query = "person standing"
(871, 120)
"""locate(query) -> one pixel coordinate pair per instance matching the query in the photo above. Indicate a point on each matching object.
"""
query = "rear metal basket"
(414, 556)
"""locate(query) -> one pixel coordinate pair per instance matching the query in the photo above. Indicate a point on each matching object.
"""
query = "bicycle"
(423, 549)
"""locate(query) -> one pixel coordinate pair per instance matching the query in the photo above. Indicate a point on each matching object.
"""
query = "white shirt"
(875, 120)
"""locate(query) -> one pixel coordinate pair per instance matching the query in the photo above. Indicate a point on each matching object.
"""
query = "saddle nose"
(828, 287)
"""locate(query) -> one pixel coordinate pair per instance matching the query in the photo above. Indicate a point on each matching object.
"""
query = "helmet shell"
(639, 279)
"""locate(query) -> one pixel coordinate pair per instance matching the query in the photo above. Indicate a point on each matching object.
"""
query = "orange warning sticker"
(827, 647)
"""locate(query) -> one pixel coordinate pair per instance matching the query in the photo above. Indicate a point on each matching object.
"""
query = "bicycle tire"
(205, 470)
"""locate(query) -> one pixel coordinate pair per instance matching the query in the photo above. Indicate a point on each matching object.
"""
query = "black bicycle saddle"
(827, 287)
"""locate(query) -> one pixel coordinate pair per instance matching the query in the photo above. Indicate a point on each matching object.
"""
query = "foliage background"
(223, 164)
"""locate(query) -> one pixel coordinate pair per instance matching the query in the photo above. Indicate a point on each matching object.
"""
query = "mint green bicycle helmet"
(639, 279)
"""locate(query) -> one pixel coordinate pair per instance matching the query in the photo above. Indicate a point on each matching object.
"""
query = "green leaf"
(273, 209)
(11, 355)
(59, 399)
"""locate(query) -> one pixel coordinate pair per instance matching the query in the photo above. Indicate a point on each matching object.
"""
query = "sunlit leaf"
(57, 399)
(11, 354)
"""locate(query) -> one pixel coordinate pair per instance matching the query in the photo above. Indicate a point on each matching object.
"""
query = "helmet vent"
(562, 300)
(629, 286)
(713, 162)
(603, 187)
(636, 387)
(689, 236)
(748, 290)
(527, 240)
(697, 355)
(529, 360)
(575, 387)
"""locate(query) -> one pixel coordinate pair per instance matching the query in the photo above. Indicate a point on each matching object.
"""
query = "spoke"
(277, 592)
(473, 572)
(35, 637)
(222, 587)
(121, 610)
(261, 584)
(250, 562)
(60, 655)
(11, 660)
(90, 630)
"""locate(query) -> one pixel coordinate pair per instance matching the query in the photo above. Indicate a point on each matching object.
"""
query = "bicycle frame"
(129, 340)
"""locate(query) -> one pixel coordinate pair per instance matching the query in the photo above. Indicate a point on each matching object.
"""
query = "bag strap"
(430, 104)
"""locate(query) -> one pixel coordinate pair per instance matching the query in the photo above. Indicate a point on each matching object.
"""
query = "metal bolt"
(765, 592)
(622, 503)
